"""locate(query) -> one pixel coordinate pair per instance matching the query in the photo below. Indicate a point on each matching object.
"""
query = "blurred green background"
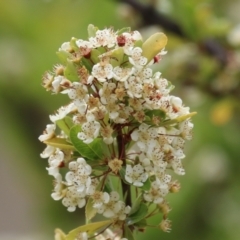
(208, 205)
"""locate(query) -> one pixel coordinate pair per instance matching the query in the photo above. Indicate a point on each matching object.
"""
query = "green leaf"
(138, 43)
(141, 224)
(64, 56)
(136, 204)
(59, 143)
(178, 119)
(153, 45)
(122, 173)
(138, 215)
(70, 72)
(96, 150)
(65, 124)
(92, 30)
(94, 55)
(127, 233)
(59, 234)
(73, 44)
(86, 62)
(146, 185)
(116, 57)
(123, 30)
(155, 113)
(90, 212)
(89, 228)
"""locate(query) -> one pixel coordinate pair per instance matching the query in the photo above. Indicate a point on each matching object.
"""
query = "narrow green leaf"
(65, 124)
(156, 113)
(63, 56)
(89, 228)
(127, 233)
(90, 212)
(136, 205)
(96, 150)
(94, 55)
(123, 30)
(70, 72)
(73, 44)
(92, 30)
(146, 185)
(59, 143)
(116, 57)
(138, 215)
(178, 119)
(122, 173)
(88, 65)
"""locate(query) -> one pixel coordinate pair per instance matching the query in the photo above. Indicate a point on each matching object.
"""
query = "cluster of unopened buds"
(120, 136)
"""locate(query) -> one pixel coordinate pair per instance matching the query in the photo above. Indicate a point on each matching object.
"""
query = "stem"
(122, 155)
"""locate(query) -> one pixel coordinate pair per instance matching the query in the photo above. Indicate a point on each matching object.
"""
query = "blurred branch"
(150, 16)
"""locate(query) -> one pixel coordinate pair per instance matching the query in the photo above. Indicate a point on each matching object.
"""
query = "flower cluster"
(121, 127)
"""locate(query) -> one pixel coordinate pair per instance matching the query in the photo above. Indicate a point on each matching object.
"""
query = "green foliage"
(128, 233)
(59, 143)
(138, 215)
(65, 124)
(153, 45)
(70, 72)
(90, 228)
(90, 212)
(96, 150)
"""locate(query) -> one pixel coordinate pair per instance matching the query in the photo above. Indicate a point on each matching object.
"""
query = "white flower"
(78, 90)
(122, 74)
(125, 210)
(186, 129)
(103, 38)
(62, 112)
(59, 188)
(106, 92)
(177, 166)
(145, 137)
(110, 206)
(48, 133)
(65, 47)
(74, 198)
(90, 131)
(112, 108)
(48, 151)
(106, 133)
(156, 193)
(57, 82)
(102, 71)
(79, 175)
(85, 44)
(130, 39)
(136, 175)
(134, 87)
(136, 58)
(54, 161)
(81, 106)
(99, 199)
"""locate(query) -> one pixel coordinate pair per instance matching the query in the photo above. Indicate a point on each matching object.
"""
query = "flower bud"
(165, 225)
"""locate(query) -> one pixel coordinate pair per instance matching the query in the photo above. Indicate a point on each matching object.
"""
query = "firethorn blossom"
(120, 131)
(48, 133)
